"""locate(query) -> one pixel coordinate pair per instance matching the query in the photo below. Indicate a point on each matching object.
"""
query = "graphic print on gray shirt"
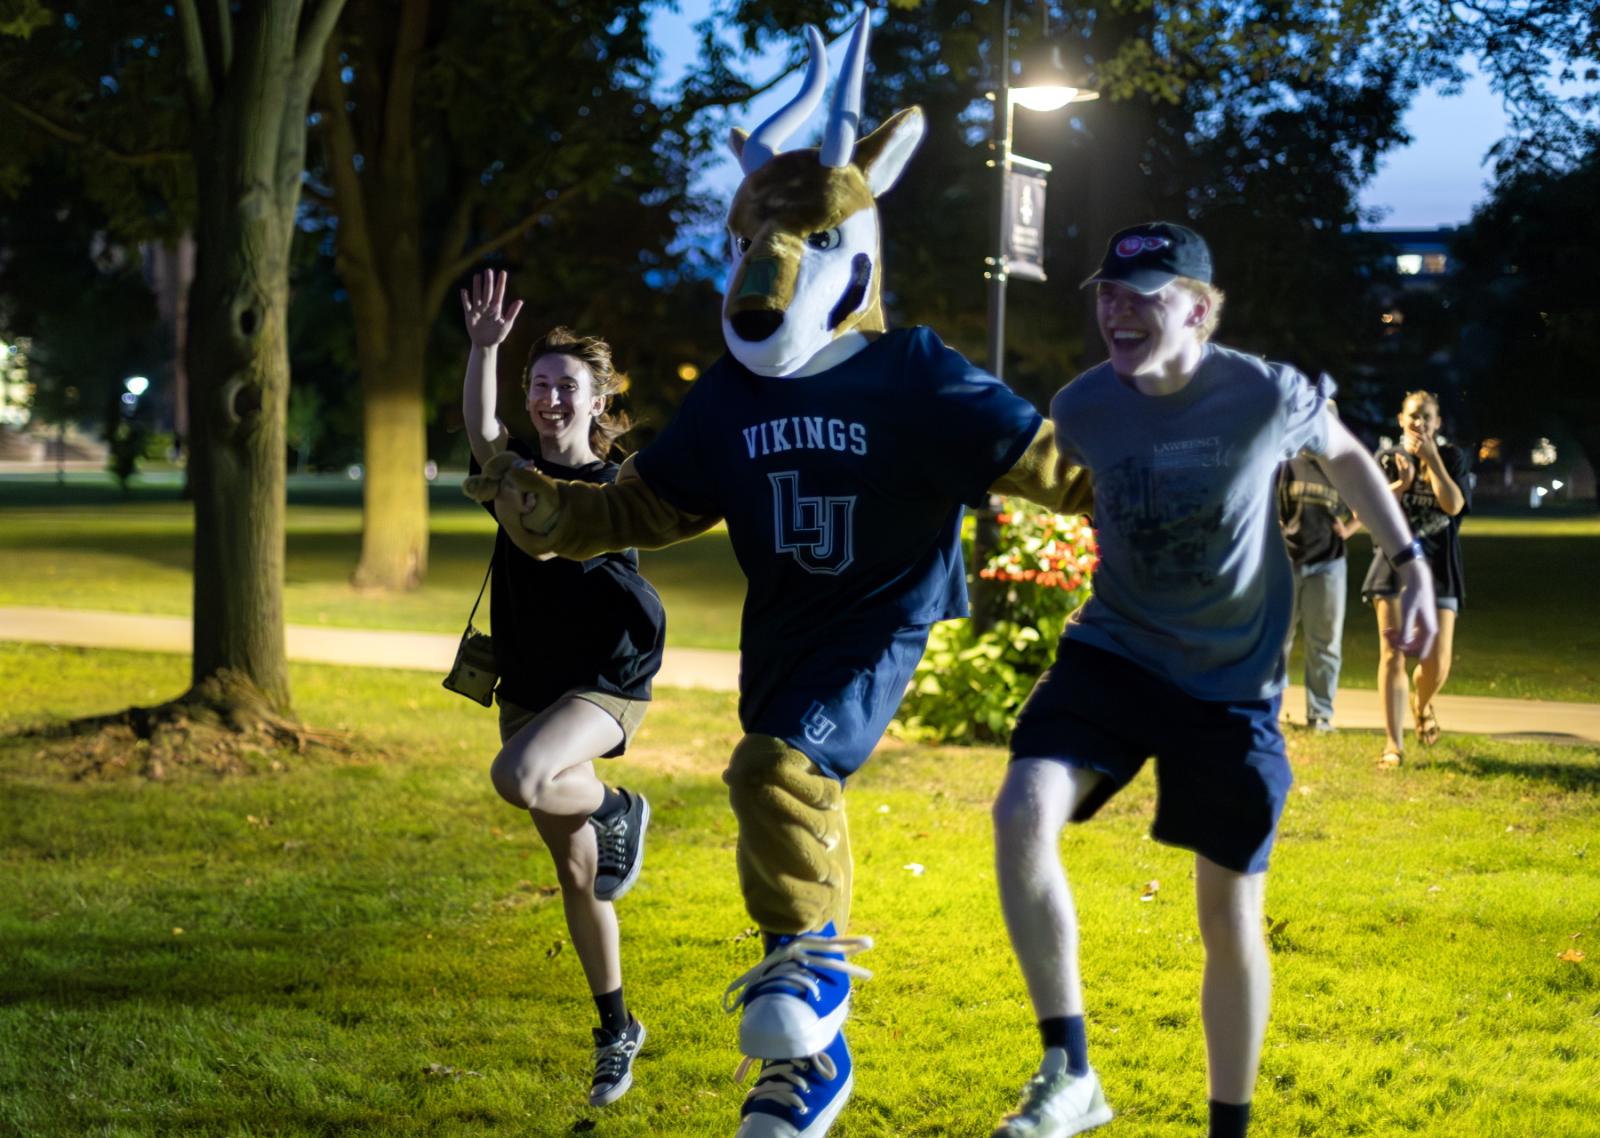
(1193, 582)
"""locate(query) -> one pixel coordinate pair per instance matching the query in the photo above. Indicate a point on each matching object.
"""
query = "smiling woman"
(569, 384)
(576, 645)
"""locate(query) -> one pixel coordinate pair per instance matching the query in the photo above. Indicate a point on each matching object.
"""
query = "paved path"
(422, 651)
(716, 670)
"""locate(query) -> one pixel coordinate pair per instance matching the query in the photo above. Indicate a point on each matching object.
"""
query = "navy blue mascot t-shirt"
(842, 491)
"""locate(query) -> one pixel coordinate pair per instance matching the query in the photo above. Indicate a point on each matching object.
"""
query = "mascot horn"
(840, 455)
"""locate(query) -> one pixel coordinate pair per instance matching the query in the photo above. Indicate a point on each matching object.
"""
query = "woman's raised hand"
(488, 320)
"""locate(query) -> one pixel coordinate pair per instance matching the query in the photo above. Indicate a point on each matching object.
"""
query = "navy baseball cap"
(1149, 257)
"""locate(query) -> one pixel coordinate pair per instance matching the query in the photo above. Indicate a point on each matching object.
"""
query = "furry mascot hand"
(541, 500)
(505, 471)
(485, 486)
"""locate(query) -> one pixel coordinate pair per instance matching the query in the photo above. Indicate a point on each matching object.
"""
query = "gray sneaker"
(613, 1062)
(620, 840)
(1055, 1103)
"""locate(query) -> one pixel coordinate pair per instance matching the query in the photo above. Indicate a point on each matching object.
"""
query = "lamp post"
(1044, 89)
(1039, 92)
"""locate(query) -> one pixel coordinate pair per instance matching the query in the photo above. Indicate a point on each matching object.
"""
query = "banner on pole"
(1024, 237)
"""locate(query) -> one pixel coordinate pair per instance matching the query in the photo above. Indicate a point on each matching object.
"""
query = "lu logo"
(817, 724)
(817, 531)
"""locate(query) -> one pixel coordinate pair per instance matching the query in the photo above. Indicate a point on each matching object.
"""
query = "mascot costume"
(840, 455)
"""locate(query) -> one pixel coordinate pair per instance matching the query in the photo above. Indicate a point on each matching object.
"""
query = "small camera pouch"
(473, 674)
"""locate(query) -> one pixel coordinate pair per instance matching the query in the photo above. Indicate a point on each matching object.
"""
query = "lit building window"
(1435, 263)
(1544, 453)
(1408, 264)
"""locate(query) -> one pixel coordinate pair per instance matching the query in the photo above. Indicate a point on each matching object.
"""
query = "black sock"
(613, 1012)
(1067, 1033)
(612, 803)
(1229, 1119)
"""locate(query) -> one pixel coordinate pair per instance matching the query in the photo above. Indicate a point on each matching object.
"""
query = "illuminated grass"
(350, 926)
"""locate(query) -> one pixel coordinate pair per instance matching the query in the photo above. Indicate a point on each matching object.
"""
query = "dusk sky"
(1435, 181)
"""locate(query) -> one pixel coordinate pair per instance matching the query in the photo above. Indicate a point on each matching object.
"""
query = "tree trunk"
(248, 94)
(385, 284)
(380, 261)
(394, 521)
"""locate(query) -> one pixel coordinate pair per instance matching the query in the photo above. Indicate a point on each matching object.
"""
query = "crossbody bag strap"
(487, 573)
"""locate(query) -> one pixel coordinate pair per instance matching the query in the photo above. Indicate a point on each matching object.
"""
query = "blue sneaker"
(797, 1098)
(795, 1001)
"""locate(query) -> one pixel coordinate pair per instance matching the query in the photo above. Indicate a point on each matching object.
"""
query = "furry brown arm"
(584, 519)
(1044, 475)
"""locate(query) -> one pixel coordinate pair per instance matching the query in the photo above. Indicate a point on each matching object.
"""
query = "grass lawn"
(1530, 628)
(373, 947)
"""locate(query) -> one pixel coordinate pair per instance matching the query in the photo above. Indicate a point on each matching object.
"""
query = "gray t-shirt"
(1193, 582)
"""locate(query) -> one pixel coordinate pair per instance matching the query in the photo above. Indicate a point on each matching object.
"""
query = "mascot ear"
(736, 140)
(883, 154)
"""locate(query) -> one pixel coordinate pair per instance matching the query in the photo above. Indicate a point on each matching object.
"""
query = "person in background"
(1315, 523)
(1430, 480)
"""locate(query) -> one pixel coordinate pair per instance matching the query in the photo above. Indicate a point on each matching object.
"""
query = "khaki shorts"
(628, 713)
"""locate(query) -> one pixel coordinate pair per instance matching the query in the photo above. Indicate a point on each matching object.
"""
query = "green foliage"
(969, 687)
(158, 446)
(126, 447)
(83, 305)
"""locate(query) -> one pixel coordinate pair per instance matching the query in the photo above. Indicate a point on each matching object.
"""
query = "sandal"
(1427, 723)
(1391, 759)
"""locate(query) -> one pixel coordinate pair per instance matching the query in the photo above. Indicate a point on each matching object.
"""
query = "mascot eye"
(740, 244)
(826, 239)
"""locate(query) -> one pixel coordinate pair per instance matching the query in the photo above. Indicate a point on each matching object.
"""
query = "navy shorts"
(833, 702)
(1221, 771)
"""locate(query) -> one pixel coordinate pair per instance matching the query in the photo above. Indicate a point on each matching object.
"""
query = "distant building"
(1420, 335)
(1422, 257)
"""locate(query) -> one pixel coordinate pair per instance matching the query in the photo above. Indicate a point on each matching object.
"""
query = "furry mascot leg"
(794, 868)
(794, 844)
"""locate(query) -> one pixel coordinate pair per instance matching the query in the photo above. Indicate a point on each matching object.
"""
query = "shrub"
(968, 688)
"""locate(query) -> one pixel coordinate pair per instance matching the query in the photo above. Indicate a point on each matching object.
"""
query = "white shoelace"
(784, 1080)
(611, 1059)
(611, 838)
(793, 963)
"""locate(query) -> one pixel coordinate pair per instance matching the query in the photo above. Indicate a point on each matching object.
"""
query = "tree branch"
(397, 110)
(454, 236)
(224, 35)
(464, 262)
(355, 250)
(689, 110)
(196, 70)
(318, 31)
(77, 138)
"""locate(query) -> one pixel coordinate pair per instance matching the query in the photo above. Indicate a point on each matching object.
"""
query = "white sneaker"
(1055, 1103)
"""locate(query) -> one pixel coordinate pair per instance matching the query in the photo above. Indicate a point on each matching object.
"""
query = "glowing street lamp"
(133, 387)
(1044, 87)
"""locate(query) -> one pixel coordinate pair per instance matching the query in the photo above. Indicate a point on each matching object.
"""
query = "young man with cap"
(1179, 654)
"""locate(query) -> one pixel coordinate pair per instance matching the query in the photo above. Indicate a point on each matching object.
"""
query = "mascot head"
(803, 228)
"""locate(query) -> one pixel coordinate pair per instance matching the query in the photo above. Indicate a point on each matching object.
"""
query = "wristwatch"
(1410, 552)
